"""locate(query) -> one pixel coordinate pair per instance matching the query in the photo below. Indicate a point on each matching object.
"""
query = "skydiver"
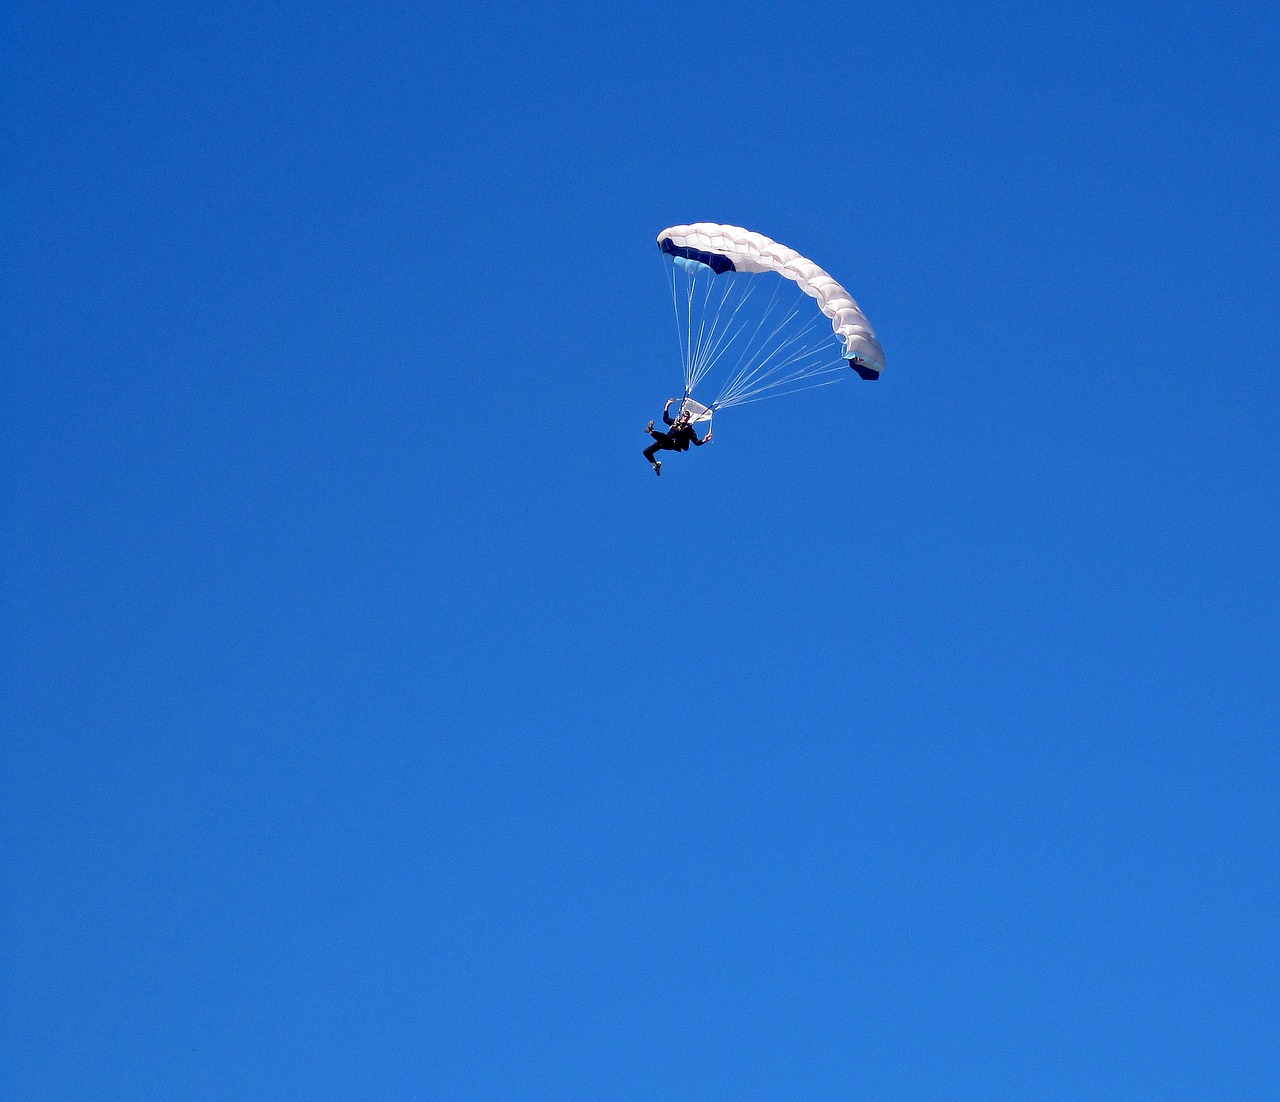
(678, 439)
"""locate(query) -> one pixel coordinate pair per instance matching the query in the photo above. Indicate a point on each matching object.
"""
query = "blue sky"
(379, 727)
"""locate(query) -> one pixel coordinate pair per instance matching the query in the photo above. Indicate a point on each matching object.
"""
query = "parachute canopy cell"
(724, 249)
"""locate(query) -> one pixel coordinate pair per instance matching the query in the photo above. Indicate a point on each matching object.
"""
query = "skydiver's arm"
(705, 440)
(665, 415)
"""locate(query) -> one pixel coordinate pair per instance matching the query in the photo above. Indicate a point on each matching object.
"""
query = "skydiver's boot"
(657, 466)
(650, 428)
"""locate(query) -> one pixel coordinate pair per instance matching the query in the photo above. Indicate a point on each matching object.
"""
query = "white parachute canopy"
(745, 313)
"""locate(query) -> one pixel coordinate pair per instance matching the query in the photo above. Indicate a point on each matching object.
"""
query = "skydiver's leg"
(661, 442)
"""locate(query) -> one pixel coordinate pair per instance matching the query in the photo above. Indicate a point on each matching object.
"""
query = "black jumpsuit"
(677, 440)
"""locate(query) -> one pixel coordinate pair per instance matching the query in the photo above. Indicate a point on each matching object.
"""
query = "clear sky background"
(378, 727)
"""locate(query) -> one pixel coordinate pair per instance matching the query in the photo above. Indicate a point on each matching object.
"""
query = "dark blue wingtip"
(717, 263)
(868, 373)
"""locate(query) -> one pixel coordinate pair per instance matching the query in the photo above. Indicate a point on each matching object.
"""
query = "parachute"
(745, 314)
